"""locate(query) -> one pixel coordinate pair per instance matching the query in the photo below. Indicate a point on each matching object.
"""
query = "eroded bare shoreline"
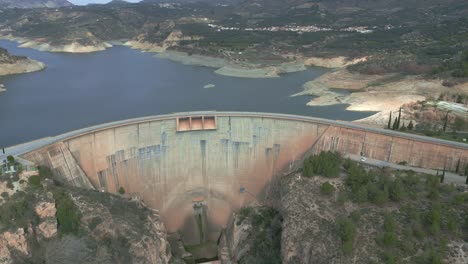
(376, 93)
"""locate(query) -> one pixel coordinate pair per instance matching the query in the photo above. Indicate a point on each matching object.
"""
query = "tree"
(395, 124)
(442, 178)
(410, 125)
(466, 170)
(399, 119)
(446, 121)
(403, 127)
(121, 190)
(11, 159)
(389, 120)
(457, 170)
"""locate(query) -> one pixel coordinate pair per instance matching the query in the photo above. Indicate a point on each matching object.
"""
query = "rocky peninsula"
(10, 64)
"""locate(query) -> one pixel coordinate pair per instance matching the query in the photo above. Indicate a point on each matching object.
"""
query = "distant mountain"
(192, 1)
(33, 3)
(118, 2)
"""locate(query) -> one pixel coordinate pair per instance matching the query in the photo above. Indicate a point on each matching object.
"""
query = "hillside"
(335, 211)
(42, 221)
(34, 3)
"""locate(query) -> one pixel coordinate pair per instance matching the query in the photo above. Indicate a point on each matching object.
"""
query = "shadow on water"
(80, 90)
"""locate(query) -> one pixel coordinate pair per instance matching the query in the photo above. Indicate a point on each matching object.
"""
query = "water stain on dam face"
(171, 164)
(168, 168)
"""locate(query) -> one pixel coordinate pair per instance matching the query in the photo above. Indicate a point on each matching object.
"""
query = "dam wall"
(169, 166)
(219, 161)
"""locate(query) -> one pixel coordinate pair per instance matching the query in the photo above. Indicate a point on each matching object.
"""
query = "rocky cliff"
(44, 222)
(357, 215)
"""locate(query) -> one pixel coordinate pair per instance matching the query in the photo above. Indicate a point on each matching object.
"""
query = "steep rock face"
(253, 236)
(33, 3)
(138, 228)
(45, 223)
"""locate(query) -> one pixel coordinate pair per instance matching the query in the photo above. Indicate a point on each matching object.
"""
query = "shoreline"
(377, 93)
(221, 65)
(374, 93)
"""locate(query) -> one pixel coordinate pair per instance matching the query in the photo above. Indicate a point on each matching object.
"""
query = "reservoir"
(81, 90)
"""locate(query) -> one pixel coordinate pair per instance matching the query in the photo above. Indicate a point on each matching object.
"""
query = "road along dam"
(197, 168)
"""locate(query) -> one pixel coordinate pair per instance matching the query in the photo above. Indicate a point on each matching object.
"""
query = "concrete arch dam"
(178, 162)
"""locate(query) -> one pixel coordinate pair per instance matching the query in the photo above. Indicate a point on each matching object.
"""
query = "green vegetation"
(265, 240)
(121, 190)
(35, 181)
(325, 164)
(17, 211)
(417, 211)
(68, 218)
(389, 237)
(347, 232)
(327, 189)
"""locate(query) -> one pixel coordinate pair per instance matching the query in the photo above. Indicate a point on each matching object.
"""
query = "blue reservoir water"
(80, 90)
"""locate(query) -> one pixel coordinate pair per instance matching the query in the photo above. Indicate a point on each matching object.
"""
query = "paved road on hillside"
(449, 177)
(29, 146)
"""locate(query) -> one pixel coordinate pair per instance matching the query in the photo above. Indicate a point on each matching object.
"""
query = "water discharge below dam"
(196, 167)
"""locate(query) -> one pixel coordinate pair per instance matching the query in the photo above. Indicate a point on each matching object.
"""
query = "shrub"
(388, 258)
(389, 237)
(361, 195)
(397, 190)
(121, 190)
(434, 218)
(326, 164)
(5, 195)
(376, 195)
(326, 188)
(452, 224)
(10, 185)
(357, 177)
(67, 214)
(347, 232)
(18, 211)
(35, 181)
(11, 160)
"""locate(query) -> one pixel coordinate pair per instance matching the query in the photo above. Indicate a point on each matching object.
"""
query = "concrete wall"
(169, 169)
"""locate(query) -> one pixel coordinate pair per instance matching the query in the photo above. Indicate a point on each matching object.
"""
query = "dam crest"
(217, 161)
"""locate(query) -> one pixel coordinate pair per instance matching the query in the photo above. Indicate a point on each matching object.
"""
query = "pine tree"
(446, 121)
(389, 120)
(410, 125)
(457, 170)
(442, 178)
(403, 127)
(399, 118)
(395, 124)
